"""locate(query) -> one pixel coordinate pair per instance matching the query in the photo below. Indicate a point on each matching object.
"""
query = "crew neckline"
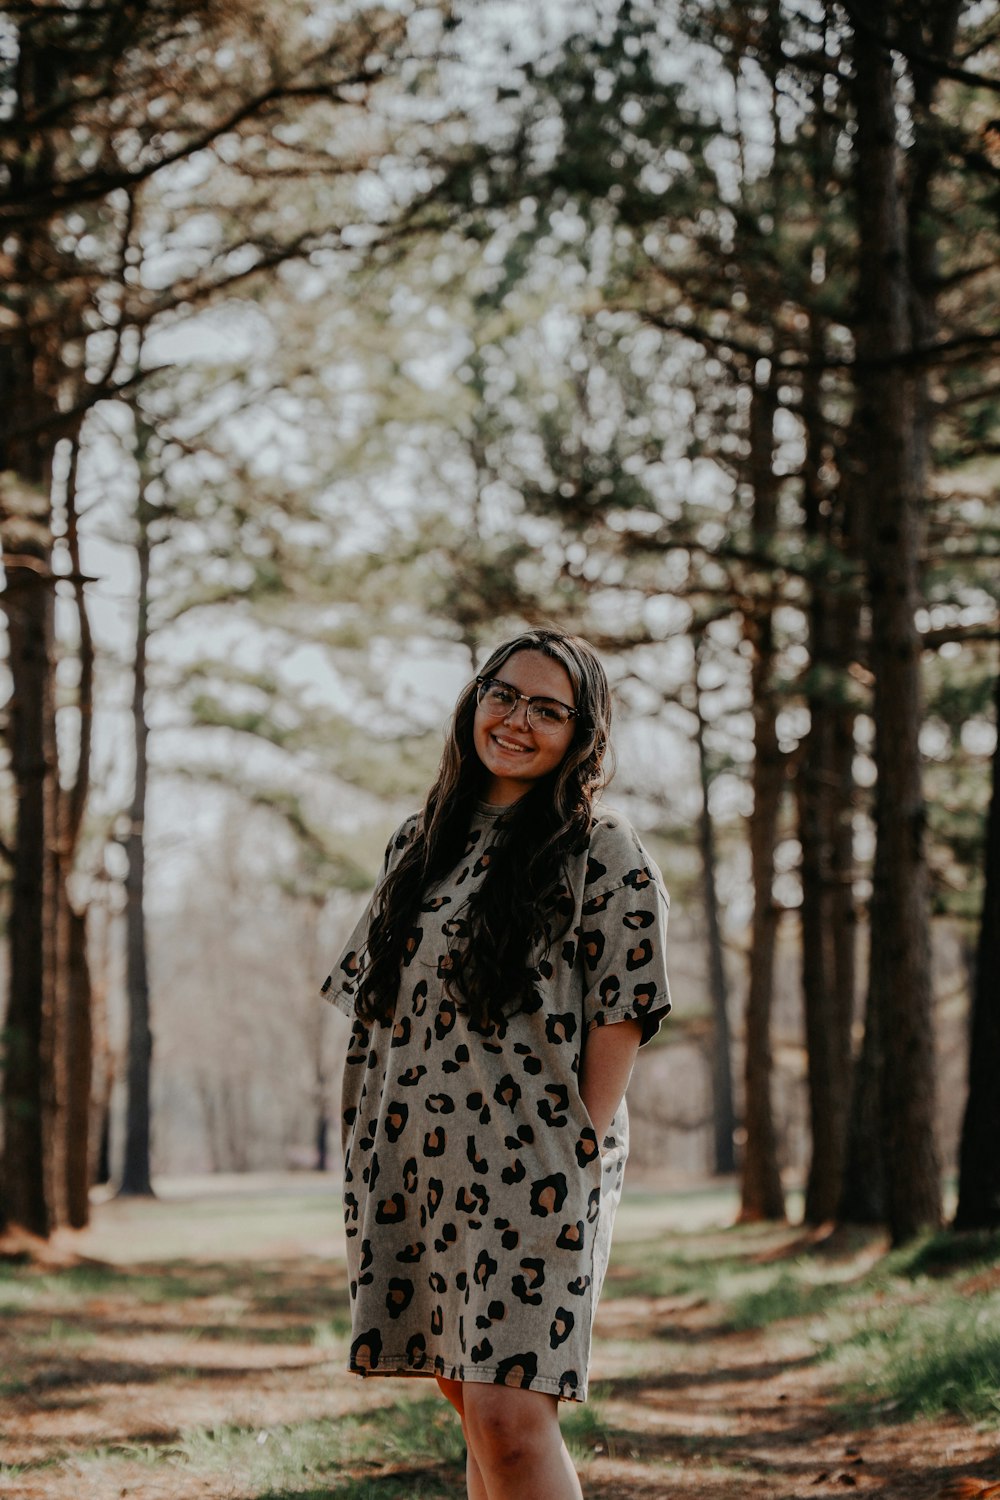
(489, 809)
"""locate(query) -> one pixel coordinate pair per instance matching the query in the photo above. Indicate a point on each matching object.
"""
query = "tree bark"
(900, 977)
(762, 1196)
(136, 1176)
(825, 794)
(723, 1112)
(28, 1099)
(979, 1159)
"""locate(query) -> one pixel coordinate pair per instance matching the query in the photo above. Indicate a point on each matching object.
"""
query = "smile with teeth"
(510, 745)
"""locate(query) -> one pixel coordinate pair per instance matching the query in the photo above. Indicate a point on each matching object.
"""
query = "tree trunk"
(825, 788)
(31, 371)
(136, 1178)
(723, 1113)
(979, 1160)
(900, 976)
(762, 1196)
(28, 1098)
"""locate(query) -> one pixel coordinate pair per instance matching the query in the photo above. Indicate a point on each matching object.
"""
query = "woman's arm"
(608, 1055)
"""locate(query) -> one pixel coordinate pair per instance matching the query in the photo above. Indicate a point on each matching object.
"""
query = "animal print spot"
(445, 1019)
(435, 1192)
(507, 1092)
(481, 1352)
(525, 1137)
(437, 1320)
(639, 956)
(586, 1147)
(418, 1002)
(548, 1195)
(416, 1352)
(638, 880)
(398, 1296)
(412, 1076)
(561, 1028)
(448, 1236)
(519, 1370)
(437, 1283)
(478, 1163)
(440, 1104)
(593, 946)
(410, 1178)
(526, 1287)
(475, 1102)
(610, 989)
(569, 1381)
(509, 1237)
(579, 1286)
(594, 870)
(486, 1269)
(473, 1199)
(391, 1210)
(638, 919)
(396, 1117)
(401, 1032)
(552, 1110)
(366, 1349)
(516, 1172)
(435, 1141)
(411, 943)
(561, 1327)
(570, 1236)
(410, 1254)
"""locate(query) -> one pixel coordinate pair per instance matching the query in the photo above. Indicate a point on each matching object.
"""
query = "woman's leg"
(514, 1438)
(452, 1390)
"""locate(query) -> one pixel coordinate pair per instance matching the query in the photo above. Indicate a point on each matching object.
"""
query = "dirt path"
(184, 1377)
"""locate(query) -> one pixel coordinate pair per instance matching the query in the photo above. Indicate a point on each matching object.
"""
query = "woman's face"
(513, 753)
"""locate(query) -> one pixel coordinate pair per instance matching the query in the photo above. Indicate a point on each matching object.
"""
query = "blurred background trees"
(334, 351)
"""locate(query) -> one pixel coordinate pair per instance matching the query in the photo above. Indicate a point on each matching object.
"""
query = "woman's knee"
(507, 1426)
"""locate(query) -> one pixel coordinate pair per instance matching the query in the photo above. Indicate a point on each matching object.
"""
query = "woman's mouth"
(510, 745)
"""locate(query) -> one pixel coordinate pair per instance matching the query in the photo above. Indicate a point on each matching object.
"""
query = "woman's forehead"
(538, 675)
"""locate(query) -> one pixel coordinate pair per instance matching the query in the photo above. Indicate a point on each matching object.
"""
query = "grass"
(222, 1373)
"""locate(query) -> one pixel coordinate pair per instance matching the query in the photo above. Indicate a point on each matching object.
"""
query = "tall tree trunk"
(723, 1112)
(136, 1178)
(900, 976)
(31, 371)
(27, 1097)
(78, 1041)
(762, 1196)
(979, 1159)
(825, 788)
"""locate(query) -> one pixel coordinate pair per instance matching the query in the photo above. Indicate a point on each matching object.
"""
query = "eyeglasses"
(498, 699)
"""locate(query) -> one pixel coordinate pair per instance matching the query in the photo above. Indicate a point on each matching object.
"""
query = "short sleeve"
(341, 985)
(623, 940)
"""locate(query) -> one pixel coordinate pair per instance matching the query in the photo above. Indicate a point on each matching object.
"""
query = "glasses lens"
(496, 698)
(547, 716)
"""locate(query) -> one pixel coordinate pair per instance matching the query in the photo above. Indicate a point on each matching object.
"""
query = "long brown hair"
(515, 910)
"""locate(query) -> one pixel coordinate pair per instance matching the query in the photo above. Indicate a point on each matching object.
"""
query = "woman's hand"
(608, 1055)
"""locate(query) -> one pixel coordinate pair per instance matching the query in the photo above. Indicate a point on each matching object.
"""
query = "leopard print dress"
(478, 1206)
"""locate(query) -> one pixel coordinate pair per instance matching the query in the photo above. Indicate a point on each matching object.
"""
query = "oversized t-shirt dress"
(478, 1206)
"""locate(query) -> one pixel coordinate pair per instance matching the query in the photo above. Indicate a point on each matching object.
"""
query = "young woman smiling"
(505, 974)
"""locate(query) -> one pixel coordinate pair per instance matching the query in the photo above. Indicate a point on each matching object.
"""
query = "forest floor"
(192, 1348)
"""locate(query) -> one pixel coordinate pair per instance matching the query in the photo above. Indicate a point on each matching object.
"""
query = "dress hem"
(466, 1375)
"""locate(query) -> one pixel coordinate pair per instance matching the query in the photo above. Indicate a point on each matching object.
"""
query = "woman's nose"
(519, 704)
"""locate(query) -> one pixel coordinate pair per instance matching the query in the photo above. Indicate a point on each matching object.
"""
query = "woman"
(505, 974)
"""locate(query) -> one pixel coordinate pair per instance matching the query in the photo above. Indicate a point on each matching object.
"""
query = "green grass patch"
(792, 1294)
(926, 1360)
